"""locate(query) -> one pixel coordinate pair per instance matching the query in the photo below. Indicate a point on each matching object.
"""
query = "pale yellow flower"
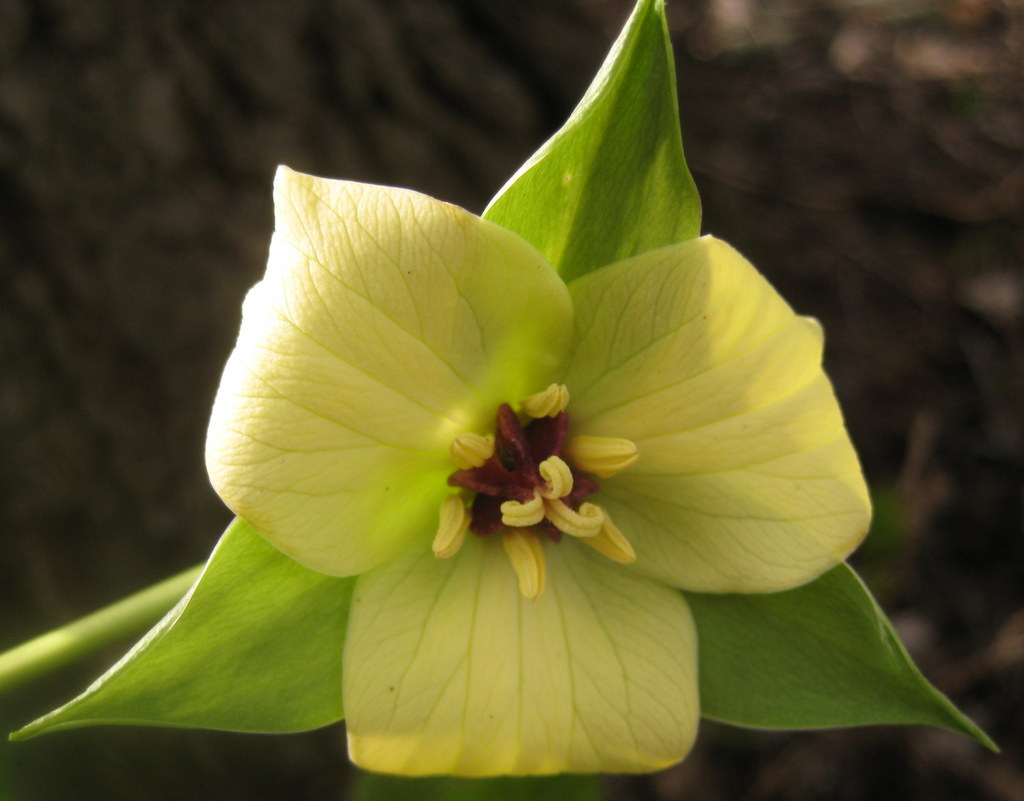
(680, 435)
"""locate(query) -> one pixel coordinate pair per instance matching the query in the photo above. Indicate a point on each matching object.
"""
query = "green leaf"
(255, 645)
(818, 656)
(613, 181)
(375, 787)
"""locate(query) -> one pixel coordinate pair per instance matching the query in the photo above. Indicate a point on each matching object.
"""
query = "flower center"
(528, 483)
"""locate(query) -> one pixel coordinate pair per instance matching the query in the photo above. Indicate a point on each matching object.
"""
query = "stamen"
(527, 556)
(451, 531)
(558, 476)
(527, 483)
(611, 542)
(547, 403)
(584, 523)
(602, 456)
(519, 515)
(471, 450)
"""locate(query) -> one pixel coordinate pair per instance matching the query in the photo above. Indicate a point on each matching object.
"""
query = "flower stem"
(59, 647)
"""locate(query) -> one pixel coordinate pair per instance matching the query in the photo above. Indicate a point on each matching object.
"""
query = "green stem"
(59, 647)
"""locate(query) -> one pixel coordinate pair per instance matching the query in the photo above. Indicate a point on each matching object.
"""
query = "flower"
(417, 398)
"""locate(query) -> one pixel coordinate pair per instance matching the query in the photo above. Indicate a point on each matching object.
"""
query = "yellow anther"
(471, 450)
(611, 542)
(451, 531)
(519, 515)
(546, 403)
(558, 475)
(584, 523)
(602, 456)
(526, 553)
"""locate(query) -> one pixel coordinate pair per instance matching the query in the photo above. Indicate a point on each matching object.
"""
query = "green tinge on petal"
(448, 669)
(747, 480)
(387, 323)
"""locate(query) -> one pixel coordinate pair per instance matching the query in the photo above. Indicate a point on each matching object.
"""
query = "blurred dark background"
(868, 155)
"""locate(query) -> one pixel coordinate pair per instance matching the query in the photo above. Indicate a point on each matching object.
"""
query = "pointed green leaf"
(254, 646)
(376, 787)
(821, 655)
(613, 181)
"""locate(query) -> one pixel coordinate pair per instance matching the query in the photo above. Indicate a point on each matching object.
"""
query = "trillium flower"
(523, 473)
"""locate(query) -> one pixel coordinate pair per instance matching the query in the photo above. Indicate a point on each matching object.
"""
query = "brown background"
(868, 156)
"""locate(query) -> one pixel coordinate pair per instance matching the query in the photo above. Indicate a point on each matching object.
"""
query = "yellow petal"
(748, 481)
(387, 324)
(449, 669)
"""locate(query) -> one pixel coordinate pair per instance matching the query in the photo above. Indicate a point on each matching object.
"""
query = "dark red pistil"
(511, 473)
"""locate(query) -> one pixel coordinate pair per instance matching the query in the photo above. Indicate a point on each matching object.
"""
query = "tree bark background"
(868, 157)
